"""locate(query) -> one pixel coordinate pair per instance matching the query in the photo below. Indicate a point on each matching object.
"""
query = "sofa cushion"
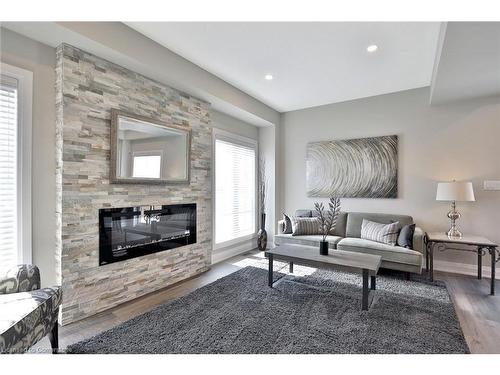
(355, 220)
(339, 229)
(388, 253)
(305, 226)
(303, 213)
(311, 240)
(288, 224)
(383, 233)
(405, 238)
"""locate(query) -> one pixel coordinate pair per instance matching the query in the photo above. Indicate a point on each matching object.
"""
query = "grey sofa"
(347, 233)
(27, 313)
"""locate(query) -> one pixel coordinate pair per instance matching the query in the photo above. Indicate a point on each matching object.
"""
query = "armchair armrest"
(21, 278)
(418, 240)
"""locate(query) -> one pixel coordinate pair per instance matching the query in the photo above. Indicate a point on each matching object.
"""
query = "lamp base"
(454, 233)
(454, 215)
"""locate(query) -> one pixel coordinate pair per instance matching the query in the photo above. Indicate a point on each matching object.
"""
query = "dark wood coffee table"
(365, 264)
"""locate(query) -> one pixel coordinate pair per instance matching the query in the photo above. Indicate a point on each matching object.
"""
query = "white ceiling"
(312, 63)
(469, 62)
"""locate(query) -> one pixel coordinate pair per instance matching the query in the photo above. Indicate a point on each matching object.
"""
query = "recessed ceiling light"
(372, 48)
(268, 77)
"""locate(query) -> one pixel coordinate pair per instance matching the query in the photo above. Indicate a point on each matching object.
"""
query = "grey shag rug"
(314, 313)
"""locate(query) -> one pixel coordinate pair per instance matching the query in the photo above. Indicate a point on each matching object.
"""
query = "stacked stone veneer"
(88, 87)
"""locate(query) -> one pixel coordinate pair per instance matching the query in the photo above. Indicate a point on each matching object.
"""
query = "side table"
(476, 244)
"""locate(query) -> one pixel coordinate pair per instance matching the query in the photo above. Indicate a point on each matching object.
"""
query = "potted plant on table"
(327, 221)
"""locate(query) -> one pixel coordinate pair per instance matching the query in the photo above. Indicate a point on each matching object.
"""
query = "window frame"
(223, 135)
(24, 153)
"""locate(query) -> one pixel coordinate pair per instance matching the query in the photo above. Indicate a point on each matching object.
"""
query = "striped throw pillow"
(305, 225)
(384, 233)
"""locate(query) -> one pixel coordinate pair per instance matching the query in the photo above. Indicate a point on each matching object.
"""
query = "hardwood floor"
(478, 312)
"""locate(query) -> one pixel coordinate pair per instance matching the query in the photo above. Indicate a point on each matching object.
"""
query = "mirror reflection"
(148, 151)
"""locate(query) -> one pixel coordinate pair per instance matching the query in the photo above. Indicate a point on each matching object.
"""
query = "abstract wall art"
(353, 168)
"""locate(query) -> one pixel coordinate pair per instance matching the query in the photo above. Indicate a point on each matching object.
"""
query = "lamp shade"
(455, 191)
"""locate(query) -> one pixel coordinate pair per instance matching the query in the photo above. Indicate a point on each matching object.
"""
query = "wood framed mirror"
(146, 151)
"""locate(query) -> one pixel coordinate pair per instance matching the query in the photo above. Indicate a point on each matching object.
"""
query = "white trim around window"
(242, 243)
(24, 79)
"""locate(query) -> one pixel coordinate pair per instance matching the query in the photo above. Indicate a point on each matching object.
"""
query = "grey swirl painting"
(353, 168)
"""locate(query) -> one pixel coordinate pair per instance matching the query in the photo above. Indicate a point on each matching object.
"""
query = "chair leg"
(54, 338)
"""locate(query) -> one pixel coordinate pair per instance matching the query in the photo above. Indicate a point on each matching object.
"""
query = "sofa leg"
(54, 338)
(407, 276)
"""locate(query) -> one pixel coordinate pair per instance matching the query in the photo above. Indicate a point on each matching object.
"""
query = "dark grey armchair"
(27, 313)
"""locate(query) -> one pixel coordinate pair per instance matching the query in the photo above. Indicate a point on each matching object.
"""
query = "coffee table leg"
(479, 263)
(431, 258)
(364, 303)
(493, 264)
(373, 282)
(291, 267)
(270, 271)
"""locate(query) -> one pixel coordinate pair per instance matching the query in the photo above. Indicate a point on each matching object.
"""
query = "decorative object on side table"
(262, 234)
(452, 192)
(327, 220)
(475, 244)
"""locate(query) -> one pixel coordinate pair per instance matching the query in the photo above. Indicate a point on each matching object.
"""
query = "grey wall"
(40, 59)
(436, 143)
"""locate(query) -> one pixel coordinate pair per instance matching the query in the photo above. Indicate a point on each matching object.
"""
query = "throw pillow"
(305, 225)
(405, 238)
(288, 224)
(384, 233)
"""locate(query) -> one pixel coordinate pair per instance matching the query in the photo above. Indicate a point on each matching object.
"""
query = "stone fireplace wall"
(87, 88)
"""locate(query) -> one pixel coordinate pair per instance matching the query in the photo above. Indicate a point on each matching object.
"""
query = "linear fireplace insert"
(131, 232)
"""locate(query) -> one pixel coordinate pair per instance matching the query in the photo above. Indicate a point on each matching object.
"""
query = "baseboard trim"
(462, 268)
(230, 251)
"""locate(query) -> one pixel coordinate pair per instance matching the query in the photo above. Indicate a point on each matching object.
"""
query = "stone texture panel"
(88, 87)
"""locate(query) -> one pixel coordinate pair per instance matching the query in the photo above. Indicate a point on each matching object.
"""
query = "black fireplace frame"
(106, 255)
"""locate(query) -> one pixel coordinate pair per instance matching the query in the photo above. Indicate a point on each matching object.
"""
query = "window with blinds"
(9, 254)
(235, 190)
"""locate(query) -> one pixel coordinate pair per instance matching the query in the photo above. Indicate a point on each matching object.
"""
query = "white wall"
(233, 125)
(436, 143)
(38, 58)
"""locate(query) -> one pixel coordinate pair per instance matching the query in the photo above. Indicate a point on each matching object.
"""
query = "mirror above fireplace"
(145, 151)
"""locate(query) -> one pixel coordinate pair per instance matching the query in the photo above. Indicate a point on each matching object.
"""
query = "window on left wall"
(16, 87)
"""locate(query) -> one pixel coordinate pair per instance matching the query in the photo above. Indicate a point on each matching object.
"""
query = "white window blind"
(235, 190)
(8, 172)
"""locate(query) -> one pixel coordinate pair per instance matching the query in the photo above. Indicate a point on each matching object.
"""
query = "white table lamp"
(453, 192)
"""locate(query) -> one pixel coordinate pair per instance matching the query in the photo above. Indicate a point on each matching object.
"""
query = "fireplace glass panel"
(130, 232)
